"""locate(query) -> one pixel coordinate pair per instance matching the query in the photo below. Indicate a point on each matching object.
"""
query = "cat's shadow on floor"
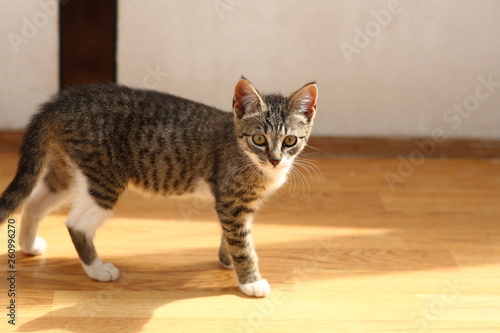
(148, 285)
(127, 304)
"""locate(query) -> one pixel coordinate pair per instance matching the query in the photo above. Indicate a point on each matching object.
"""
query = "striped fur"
(93, 141)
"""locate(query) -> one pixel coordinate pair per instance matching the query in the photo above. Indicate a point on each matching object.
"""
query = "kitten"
(88, 143)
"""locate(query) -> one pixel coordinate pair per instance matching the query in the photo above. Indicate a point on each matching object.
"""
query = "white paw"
(103, 272)
(37, 248)
(258, 288)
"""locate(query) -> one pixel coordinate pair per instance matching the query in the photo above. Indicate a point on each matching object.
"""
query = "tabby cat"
(88, 143)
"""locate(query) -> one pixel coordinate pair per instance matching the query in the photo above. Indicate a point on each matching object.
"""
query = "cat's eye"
(259, 139)
(290, 141)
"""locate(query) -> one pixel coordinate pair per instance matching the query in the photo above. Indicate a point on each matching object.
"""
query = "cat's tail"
(30, 166)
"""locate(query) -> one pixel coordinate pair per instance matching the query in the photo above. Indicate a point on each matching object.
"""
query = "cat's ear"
(304, 100)
(246, 100)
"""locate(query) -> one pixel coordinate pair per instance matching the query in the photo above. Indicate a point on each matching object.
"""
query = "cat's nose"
(275, 162)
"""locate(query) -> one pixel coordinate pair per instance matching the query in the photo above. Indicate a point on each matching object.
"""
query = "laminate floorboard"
(344, 250)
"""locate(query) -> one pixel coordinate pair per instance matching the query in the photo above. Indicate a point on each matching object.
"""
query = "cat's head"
(273, 129)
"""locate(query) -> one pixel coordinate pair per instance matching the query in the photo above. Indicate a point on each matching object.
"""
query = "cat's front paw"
(103, 272)
(258, 288)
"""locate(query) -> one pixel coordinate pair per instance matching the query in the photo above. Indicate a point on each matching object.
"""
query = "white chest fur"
(275, 178)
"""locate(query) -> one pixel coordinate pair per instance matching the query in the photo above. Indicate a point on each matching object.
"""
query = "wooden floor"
(345, 253)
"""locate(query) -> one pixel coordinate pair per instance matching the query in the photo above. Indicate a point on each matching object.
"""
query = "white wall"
(28, 58)
(420, 62)
(405, 82)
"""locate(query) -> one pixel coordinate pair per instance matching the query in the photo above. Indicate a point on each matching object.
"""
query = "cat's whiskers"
(302, 176)
(237, 170)
(309, 165)
(242, 168)
(309, 154)
(295, 175)
(305, 166)
(303, 180)
(253, 172)
(317, 149)
(291, 183)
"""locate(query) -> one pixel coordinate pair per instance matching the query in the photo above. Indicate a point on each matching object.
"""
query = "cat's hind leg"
(49, 194)
(83, 221)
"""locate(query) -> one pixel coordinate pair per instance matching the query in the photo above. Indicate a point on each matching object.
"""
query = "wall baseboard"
(394, 147)
(10, 140)
(339, 147)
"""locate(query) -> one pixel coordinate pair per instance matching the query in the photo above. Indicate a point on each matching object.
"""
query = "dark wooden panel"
(87, 41)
